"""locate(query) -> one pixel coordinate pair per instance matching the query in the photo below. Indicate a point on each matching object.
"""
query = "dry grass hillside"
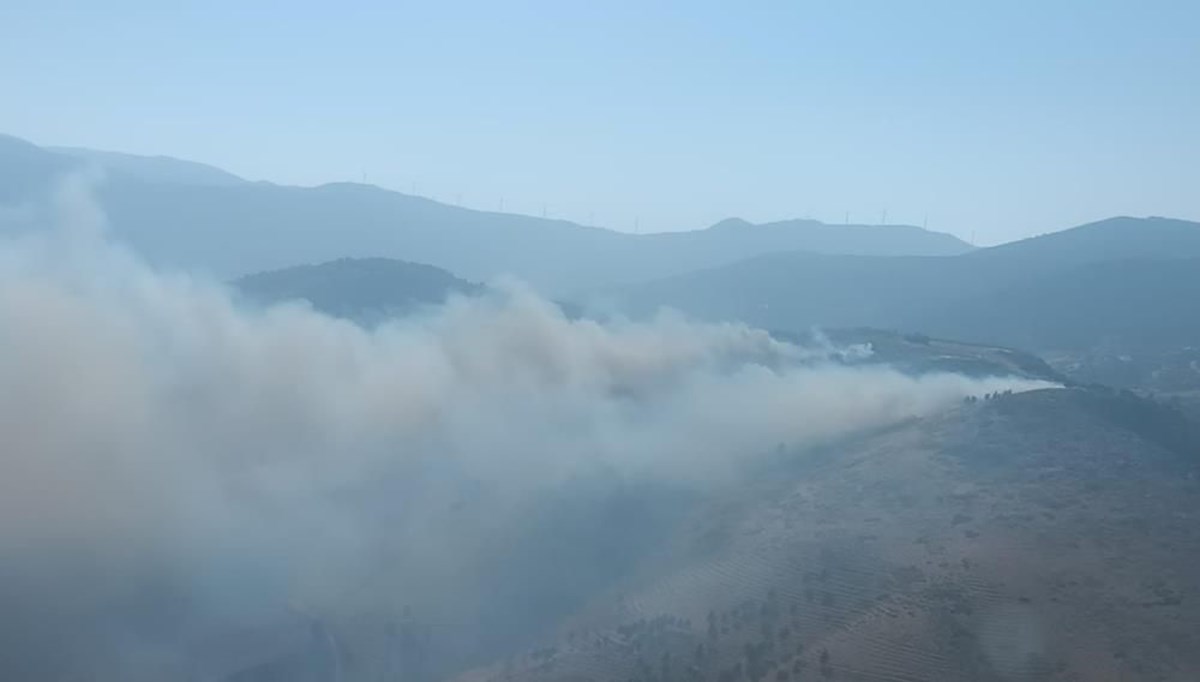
(1028, 537)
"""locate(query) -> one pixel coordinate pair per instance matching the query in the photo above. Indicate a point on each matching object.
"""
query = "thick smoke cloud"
(179, 469)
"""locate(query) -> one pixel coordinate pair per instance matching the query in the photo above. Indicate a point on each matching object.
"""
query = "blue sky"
(999, 119)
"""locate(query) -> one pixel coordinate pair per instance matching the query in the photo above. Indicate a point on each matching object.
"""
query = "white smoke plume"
(176, 465)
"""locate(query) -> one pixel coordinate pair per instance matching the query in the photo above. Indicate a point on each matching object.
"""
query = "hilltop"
(1002, 540)
(362, 289)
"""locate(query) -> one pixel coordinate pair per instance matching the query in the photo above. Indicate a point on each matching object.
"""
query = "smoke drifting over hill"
(177, 466)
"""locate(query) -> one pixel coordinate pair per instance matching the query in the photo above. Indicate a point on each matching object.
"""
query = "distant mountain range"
(1132, 282)
(182, 214)
(1119, 283)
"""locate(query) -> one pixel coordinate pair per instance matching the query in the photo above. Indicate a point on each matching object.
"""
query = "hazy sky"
(1002, 118)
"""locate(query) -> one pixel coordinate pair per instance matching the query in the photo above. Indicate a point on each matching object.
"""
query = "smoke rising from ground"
(177, 465)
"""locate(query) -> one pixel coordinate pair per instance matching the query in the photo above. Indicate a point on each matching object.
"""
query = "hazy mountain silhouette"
(1105, 240)
(26, 169)
(787, 275)
(152, 205)
(1127, 279)
(736, 235)
(153, 168)
(363, 289)
(1143, 303)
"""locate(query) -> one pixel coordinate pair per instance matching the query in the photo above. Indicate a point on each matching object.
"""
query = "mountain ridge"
(190, 226)
(951, 296)
(155, 168)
